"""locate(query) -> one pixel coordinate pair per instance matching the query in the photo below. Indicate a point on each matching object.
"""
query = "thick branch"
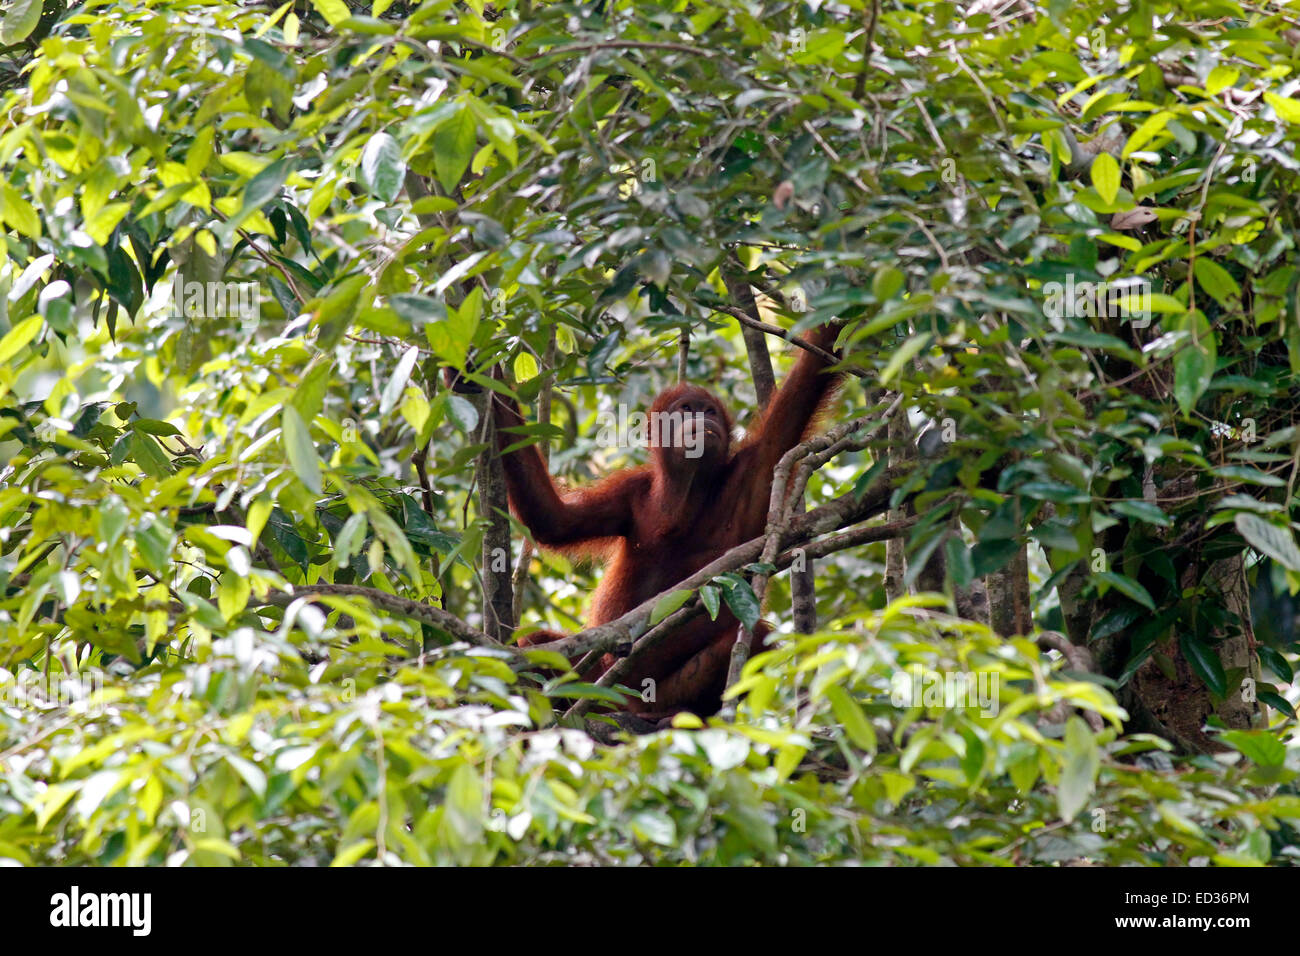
(498, 598)
(836, 514)
(760, 361)
(803, 599)
(809, 455)
(735, 558)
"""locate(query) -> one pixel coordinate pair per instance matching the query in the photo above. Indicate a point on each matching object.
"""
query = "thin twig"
(622, 45)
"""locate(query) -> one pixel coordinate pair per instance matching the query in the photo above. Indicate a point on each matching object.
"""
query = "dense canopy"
(259, 586)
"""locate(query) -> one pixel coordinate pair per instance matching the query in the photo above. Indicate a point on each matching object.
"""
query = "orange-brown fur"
(658, 523)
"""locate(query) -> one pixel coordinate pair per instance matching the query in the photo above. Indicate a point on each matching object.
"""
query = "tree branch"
(622, 45)
(760, 361)
(809, 455)
(781, 333)
(735, 558)
(392, 603)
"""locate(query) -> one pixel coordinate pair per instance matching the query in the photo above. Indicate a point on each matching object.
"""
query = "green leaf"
(654, 826)
(1269, 539)
(1220, 78)
(1277, 702)
(350, 854)
(19, 213)
(1261, 747)
(852, 718)
(1194, 361)
(251, 773)
(309, 396)
(1217, 281)
(904, 354)
(453, 148)
(155, 544)
(711, 600)
(1276, 662)
(1166, 304)
(463, 413)
(260, 190)
(1143, 511)
(100, 226)
(1024, 771)
(886, 283)
(976, 756)
(1053, 491)
(394, 538)
(382, 170)
(960, 565)
(302, 453)
(1127, 587)
(669, 603)
(1286, 108)
(1205, 663)
(897, 785)
(420, 529)
(16, 339)
(52, 800)
(334, 11)
(147, 453)
(1079, 775)
(396, 383)
(20, 20)
(124, 282)
(740, 598)
(154, 426)
(986, 557)
(1105, 177)
(1143, 134)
